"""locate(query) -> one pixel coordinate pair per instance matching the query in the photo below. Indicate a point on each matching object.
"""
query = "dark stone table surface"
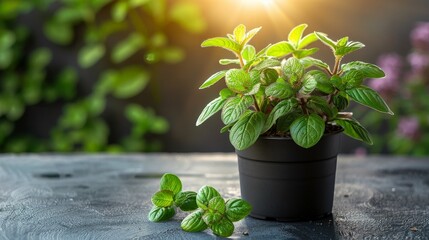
(108, 197)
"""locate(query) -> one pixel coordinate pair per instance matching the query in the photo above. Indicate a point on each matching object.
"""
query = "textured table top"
(108, 197)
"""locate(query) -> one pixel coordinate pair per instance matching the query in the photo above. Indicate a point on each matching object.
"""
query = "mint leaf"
(170, 182)
(368, 70)
(353, 78)
(237, 209)
(301, 53)
(292, 69)
(229, 61)
(158, 214)
(234, 108)
(323, 82)
(341, 102)
(269, 62)
(250, 34)
(280, 90)
(246, 130)
(223, 228)
(309, 83)
(307, 130)
(284, 122)
(353, 129)
(321, 106)
(213, 79)
(370, 98)
(239, 81)
(186, 201)
(204, 195)
(163, 198)
(269, 76)
(194, 222)
(212, 217)
(282, 108)
(209, 110)
(240, 33)
(222, 42)
(295, 34)
(248, 53)
(90, 54)
(217, 204)
(308, 39)
(326, 40)
(309, 62)
(348, 48)
(226, 93)
(280, 49)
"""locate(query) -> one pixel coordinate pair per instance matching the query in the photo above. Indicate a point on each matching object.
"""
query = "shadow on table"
(261, 229)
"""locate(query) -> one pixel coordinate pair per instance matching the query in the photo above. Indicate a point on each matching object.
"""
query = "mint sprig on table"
(212, 211)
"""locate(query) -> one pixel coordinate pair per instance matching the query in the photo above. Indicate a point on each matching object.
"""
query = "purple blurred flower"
(420, 36)
(418, 61)
(391, 64)
(409, 127)
(361, 152)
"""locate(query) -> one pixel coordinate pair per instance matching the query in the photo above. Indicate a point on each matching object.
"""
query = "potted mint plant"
(283, 111)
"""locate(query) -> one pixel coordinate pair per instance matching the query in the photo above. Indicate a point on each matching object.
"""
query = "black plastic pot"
(283, 181)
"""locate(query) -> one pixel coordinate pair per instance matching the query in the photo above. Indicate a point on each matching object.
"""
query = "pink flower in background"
(409, 127)
(418, 61)
(391, 64)
(420, 36)
(361, 152)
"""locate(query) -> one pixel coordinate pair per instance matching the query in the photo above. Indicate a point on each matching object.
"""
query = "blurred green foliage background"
(126, 37)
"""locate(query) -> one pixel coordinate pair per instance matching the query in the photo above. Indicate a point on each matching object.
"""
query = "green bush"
(109, 33)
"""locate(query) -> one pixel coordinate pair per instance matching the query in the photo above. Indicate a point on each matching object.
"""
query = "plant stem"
(304, 105)
(241, 60)
(256, 103)
(337, 65)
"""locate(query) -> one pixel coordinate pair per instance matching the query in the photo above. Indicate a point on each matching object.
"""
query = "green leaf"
(237, 209)
(269, 76)
(250, 34)
(280, 49)
(267, 63)
(226, 93)
(326, 40)
(295, 34)
(222, 42)
(370, 98)
(337, 82)
(307, 130)
(204, 195)
(309, 62)
(283, 123)
(320, 105)
(194, 222)
(234, 108)
(292, 69)
(309, 83)
(186, 201)
(129, 81)
(246, 130)
(301, 53)
(281, 109)
(239, 81)
(353, 78)
(308, 39)
(240, 33)
(127, 47)
(341, 102)
(158, 214)
(163, 198)
(90, 54)
(223, 228)
(248, 53)
(212, 217)
(170, 182)
(348, 48)
(217, 204)
(119, 11)
(368, 70)
(323, 82)
(229, 61)
(213, 79)
(58, 32)
(40, 57)
(188, 15)
(209, 110)
(342, 42)
(279, 90)
(353, 129)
